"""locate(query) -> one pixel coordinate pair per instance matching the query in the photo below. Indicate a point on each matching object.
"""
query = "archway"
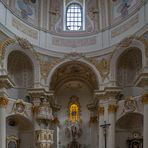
(129, 127)
(129, 66)
(21, 71)
(122, 48)
(19, 131)
(74, 83)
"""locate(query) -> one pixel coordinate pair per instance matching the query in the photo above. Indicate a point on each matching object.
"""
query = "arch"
(20, 69)
(82, 61)
(16, 124)
(126, 121)
(29, 54)
(114, 61)
(19, 120)
(129, 126)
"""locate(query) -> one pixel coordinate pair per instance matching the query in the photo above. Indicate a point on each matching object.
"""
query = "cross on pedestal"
(105, 126)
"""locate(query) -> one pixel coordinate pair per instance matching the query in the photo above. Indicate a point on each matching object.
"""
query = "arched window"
(74, 17)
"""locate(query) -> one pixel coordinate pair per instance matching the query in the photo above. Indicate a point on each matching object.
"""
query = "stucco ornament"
(3, 46)
(103, 65)
(47, 63)
(19, 107)
(126, 42)
(25, 44)
(130, 104)
(3, 102)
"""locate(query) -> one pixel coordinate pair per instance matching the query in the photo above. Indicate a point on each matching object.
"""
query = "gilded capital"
(35, 109)
(145, 99)
(112, 108)
(3, 102)
(101, 110)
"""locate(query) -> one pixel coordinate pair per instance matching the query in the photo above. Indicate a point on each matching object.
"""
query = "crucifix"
(105, 126)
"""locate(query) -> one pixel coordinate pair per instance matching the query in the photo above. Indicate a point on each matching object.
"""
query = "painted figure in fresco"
(26, 7)
(124, 6)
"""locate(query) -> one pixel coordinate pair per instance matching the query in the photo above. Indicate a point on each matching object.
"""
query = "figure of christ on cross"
(105, 126)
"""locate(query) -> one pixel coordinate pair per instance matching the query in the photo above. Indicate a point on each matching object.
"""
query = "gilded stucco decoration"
(3, 45)
(47, 63)
(126, 42)
(101, 110)
(25, 44)
(102, 64)
(145, 99)
(130, 104)
(4, 42)
(112, 108)
(35, 109)
(3, 102)
(93, 120)
(19, 107)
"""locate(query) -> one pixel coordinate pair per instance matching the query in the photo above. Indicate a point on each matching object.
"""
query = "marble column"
(111, 131)
(145, 126)
(101, 132)
(3, 104)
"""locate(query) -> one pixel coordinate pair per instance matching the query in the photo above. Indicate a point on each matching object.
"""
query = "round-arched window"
(74, 17)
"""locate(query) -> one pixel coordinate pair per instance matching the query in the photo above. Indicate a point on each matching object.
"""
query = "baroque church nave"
(73, 74)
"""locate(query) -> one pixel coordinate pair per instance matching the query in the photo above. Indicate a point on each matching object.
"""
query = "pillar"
(145, 126)
(3, 104)
(111, 132)
(101, 132)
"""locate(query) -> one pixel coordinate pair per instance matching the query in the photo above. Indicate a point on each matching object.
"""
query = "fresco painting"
(121, 8)
(27, 8)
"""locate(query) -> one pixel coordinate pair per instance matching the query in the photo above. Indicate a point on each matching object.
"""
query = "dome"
(73, 25)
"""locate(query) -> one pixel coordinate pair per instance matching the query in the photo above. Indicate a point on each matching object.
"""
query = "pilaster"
(142, 81)
(5, 83)
(3, 105)
(101, 132)
(145, 126)
(111, 132)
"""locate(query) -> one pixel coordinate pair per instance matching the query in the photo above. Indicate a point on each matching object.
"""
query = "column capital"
(101, 110)
(145, 99)
(3, 102)
(112, 108)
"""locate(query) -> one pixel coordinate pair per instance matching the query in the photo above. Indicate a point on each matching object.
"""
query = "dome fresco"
(52, 12)
(89, 26)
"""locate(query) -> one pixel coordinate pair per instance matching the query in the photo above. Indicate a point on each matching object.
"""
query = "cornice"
(6, 82)
(142, 80)
(108, 92)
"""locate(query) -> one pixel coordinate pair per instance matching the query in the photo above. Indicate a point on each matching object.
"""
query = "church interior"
(73, 73)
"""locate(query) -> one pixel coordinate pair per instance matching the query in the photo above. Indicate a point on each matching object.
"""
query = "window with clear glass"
(74, 17)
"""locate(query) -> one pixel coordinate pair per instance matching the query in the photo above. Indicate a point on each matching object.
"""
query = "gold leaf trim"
(3, 102)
